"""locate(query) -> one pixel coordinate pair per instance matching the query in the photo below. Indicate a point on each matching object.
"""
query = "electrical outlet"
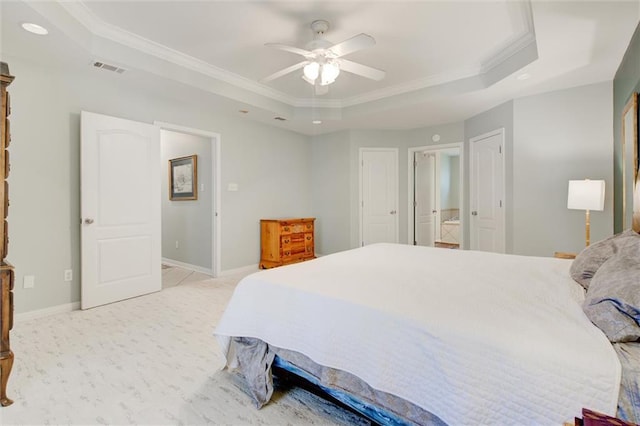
(29, 281)
(68, 275)
(177, 245)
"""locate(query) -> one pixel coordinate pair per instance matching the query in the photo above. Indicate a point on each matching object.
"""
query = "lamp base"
(587, 228)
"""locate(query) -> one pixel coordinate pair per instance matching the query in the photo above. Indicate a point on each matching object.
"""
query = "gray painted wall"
(270, 165)
(335, 176)
(280, 173)
(550, 139)
(560, 136)
(188, 222)
(330, 177)
(626, 81)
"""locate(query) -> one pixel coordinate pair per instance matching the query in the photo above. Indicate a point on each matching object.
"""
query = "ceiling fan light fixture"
(312, 70)
(330, 72)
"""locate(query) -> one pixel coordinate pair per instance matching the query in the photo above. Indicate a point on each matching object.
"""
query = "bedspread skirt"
(253, 358)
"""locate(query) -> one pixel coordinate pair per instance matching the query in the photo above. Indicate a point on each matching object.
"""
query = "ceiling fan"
(324, 60)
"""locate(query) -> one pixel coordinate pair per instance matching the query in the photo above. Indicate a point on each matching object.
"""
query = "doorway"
(190, 228)
(435, 196)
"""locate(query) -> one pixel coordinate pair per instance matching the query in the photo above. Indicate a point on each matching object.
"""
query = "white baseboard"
(41, 313)
(171, 262)
(237, 271)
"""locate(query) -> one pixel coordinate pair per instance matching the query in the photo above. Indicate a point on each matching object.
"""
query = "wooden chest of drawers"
(284, 241)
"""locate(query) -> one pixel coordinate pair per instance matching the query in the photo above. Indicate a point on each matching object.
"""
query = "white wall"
(271, 167)
(187, 222)
(560, 136)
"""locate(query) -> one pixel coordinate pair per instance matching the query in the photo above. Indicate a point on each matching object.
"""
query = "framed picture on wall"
(183, 178)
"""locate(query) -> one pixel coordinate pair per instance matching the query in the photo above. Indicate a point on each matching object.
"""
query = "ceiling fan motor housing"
(318, 43)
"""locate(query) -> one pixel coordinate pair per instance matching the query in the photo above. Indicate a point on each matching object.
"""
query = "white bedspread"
(473, 337)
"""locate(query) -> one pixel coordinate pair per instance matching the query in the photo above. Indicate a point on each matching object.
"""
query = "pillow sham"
(587, 262)
(613, 298)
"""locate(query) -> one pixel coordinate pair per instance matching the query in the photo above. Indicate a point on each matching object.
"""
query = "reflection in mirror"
(630, 164)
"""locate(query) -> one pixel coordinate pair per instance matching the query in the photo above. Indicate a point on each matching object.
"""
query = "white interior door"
(487, 192)
(425, 204)
(379, 196)
(120, 209)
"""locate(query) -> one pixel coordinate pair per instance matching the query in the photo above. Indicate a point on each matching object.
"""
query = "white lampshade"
(586, 195)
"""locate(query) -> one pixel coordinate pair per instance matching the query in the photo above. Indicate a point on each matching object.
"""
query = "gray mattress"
(254, 359)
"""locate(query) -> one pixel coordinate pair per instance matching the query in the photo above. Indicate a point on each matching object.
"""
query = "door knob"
(474, 213)
(88, 221)
(392, 212)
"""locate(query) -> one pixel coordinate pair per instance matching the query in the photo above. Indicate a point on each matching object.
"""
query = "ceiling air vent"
(279, 118)
(108, 67)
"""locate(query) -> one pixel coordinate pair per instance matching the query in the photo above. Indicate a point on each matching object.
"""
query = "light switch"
(232, 187)
(29, 281)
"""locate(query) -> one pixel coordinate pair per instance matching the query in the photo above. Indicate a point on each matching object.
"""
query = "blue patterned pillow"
(613, 298)
(587, 262)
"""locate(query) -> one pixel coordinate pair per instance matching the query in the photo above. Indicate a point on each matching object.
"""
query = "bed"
(419, 335)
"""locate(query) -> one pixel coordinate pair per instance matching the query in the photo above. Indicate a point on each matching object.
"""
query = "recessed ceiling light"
(524, 76)
(317, 121)
(35, 28)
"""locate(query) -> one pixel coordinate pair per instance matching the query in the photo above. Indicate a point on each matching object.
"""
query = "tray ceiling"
(444, 60)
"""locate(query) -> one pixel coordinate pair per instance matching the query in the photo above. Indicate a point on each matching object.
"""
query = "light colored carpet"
(147, 360)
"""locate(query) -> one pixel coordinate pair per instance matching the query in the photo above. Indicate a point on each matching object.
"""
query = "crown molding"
(517, 43)
(99, 28)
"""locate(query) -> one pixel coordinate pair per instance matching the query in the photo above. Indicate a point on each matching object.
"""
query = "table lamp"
(586, 195)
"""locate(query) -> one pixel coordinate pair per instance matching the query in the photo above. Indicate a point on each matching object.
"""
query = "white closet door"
(487, 192)
(379, 195)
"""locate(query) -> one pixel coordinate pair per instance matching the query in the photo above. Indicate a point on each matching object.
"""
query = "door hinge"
(500, 149)
(415, 204)
(500, 203)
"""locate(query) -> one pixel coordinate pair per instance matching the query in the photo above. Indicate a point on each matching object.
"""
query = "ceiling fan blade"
(358, 42)
(362, 70)
(291, 49)
(285, 71)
